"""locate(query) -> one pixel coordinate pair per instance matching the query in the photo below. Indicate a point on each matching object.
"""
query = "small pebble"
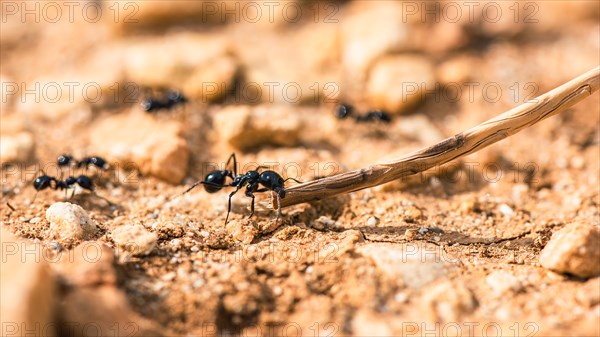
(168, 276)
(506, 210)
(410, 234)
(401, 297)
(503, 282)
(69, 221)
(35, 220)
(423, 230)
(373, 221)
(323, 222)
(575, 250)
(135, 239)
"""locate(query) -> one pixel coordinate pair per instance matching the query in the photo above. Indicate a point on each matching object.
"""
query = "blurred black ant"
(374, 115)
(94, 161)
(44, 182)
(65, 160)
(173, 98)
(271, 180)
(344, 111)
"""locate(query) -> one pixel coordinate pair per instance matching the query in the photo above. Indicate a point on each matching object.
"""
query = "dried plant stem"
(464, 143)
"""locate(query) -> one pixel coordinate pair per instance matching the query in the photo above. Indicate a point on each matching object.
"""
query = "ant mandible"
(271, 180)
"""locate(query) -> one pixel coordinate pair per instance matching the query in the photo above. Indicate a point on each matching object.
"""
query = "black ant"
(65, 160)
(271, 180)
(43, 182)
(173, 98)
(344, 111)
(94, 161)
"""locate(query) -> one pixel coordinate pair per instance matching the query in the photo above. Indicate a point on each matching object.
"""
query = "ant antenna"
(232, 156)
(293, 179)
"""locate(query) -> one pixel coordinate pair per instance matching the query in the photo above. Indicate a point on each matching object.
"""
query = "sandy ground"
(453, 251)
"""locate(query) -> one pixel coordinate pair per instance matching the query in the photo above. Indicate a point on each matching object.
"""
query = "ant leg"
(34, 196)
(298, 181)
(229, 203)
(259, 167)
(72, 194)
(103, 198)
(249, 194)
(232, 156)
(194, 186)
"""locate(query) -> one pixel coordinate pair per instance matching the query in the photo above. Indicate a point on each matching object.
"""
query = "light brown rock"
(156, 147)
(244, 127)
(414, 264)
(142, 15)
(28, 291)
(575, 249)
(16, 148)
(447, 302)
(91, 263)
(72, 94)
(199, 64)
(243, 231)
(503, 283)
(69, 222)
(365, 39)
(369, 323)
(104, 310)
(308, 74)
(134, 239)
(211, 82)
(397, 83)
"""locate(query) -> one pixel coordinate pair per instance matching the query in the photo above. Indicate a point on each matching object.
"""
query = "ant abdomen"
(214, 181)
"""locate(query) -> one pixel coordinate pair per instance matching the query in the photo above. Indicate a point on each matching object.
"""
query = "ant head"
(43, 182)
(214, 181)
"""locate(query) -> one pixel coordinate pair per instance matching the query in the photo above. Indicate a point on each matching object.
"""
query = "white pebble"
(423, 230)
(69, 221)
(503, 282)
(373, 221)
(135, 239)
(506, 210)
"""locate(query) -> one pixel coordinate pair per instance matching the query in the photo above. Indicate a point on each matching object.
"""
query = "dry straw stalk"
(461, 144)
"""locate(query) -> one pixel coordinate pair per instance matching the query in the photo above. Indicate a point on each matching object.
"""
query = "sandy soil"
(453, 251)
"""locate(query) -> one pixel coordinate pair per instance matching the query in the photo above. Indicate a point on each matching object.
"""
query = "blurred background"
(266, 79)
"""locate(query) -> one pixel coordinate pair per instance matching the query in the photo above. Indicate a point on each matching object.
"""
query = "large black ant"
(271, 180)
(173, 98)
(344, 111)
(44, 182)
